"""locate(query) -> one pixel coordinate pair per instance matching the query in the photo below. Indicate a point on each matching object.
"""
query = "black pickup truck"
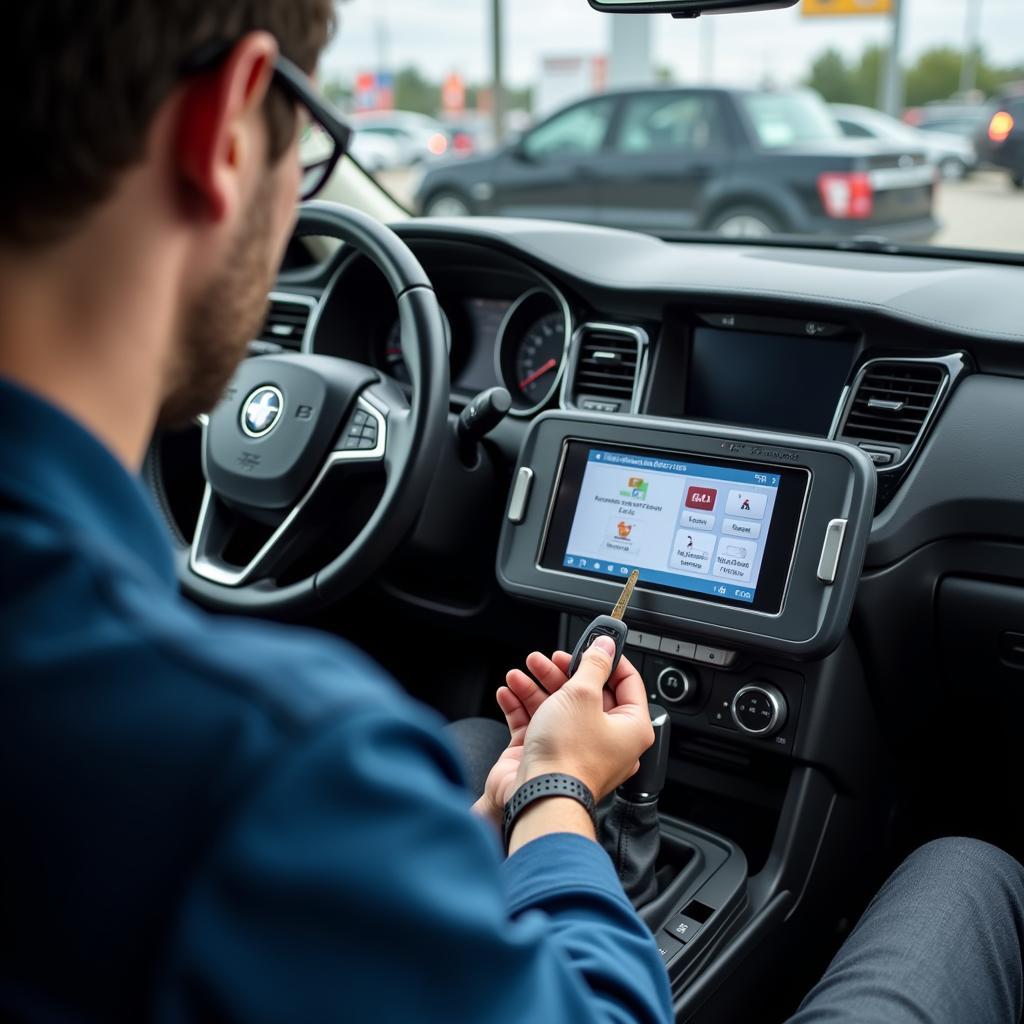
(669, 161)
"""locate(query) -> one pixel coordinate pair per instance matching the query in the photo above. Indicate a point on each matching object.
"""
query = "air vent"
(890, 406)
(608, 368)
(287, 320)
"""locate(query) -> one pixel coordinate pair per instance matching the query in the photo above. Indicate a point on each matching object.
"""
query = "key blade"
(627, 592)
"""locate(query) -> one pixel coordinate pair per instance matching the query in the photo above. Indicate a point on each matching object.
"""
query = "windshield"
(802, 123)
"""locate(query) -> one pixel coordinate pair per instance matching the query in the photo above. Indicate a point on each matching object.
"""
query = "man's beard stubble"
(227, 316)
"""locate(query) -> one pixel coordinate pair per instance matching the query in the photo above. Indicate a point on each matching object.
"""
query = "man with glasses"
(207, 819)
(215, 820)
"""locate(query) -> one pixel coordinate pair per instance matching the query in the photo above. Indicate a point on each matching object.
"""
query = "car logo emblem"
(262, 410)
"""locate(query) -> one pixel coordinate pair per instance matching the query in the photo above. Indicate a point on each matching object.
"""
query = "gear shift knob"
(649, 780)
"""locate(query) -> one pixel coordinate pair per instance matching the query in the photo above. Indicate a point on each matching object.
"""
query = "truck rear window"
(789, 118)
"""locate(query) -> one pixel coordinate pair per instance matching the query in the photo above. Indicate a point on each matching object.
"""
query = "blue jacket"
(211, 819)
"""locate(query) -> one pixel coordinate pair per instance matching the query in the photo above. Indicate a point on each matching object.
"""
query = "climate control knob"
(759, 709)
(676, 685)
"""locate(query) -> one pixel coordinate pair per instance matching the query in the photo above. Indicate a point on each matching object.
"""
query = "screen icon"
(570, 561)
(636, 487)
(701, 498)
(597, 565)
(583, 563)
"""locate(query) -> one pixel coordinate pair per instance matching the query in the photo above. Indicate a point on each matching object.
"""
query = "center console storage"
(749, 547)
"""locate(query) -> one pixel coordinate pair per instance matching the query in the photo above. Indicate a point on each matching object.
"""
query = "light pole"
(893, 98)
(972, 47)
(498, 86)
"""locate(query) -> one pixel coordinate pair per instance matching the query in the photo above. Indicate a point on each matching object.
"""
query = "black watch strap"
(541, 788)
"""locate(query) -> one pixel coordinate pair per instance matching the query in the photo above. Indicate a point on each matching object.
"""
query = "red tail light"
(462, 143)
(848, 195)
(1000, 127)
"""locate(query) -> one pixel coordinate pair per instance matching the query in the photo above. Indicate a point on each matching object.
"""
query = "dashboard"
(879, 351)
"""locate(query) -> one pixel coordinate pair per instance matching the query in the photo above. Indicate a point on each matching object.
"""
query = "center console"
(749, 547)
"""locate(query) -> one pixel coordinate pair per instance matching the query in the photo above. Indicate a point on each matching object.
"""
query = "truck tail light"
(1000, 126)
(847, 195)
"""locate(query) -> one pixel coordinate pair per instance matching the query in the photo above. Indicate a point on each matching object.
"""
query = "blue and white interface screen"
(683, 525)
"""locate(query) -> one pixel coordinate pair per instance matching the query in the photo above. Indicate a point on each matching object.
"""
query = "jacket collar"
(53, 467)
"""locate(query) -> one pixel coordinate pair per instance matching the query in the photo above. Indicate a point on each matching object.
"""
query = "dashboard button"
(668, 947)
(520, 495)
(714, 656)
(676, 685)
(683, 928)
(647, 641)
(678, 648)
(831, 549)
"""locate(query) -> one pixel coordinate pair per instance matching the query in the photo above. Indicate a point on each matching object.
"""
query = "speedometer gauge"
(539, 357)
(531, 348)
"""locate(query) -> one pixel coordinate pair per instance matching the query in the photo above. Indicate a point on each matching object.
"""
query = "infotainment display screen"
(716, 529)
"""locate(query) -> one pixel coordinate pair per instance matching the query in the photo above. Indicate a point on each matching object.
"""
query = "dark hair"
(83, 79)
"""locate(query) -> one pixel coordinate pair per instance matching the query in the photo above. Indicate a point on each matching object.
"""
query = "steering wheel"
(290, 423)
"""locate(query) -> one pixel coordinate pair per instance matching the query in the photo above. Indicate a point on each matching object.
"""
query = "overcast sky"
(444, 35)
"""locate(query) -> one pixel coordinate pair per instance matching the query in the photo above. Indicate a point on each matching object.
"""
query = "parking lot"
(983, 212)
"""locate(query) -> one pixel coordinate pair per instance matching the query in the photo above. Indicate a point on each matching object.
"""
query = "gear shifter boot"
(631, 836)
(629, 829)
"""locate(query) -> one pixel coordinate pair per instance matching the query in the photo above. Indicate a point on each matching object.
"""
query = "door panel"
(550, 173)
(666, 149)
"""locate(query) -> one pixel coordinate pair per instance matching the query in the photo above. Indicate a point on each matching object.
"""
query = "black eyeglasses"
(326, 137)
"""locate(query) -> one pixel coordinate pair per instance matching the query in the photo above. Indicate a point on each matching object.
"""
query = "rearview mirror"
(687, 8)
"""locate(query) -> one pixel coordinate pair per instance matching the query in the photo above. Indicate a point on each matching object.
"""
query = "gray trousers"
(940, 944)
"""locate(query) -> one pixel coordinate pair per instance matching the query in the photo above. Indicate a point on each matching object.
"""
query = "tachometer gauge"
(531, 348)
(539, 357)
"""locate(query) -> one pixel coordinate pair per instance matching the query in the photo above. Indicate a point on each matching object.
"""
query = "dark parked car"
(673, 161)
(1001, 140)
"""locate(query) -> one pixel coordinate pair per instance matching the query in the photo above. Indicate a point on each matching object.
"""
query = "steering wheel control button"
(645, 641)
(520, 495)
(676, 685)
(678, 648)
(759, 709)
(683, 928)
(714, 656)
(668, 947)
(831, 549)
(262, 411)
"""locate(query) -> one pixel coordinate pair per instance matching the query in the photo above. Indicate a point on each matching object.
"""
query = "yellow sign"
(826, 8)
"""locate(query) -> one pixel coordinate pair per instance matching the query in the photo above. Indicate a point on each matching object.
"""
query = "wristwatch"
(540, 788)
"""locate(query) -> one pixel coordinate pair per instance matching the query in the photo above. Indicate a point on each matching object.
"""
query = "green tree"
(935, 76)
(831, 76)
(414, 92)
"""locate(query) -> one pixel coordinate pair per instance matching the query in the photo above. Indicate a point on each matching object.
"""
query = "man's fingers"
(515, 713)
(526, 689)
(547, 671)
(627, 686)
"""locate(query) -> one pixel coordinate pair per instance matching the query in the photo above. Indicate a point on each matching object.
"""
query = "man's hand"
(521, 699)
(584, 729)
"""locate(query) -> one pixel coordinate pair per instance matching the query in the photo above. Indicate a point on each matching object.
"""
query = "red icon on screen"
(702, 498)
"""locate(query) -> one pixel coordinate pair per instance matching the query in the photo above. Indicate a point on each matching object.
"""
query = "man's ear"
(221, 131)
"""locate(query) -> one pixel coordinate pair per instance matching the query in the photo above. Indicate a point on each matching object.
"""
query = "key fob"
(603, 625)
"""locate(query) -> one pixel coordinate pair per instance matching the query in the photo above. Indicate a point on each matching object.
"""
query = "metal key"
(607, 625)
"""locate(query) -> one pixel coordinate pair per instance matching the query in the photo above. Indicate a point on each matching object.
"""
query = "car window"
(854, 130)
(577, 132)
(652, 124)
(788, 118)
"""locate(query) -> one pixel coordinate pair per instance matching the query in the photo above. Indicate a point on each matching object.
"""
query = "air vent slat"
(607, 366)
(911, 389)
(286, 323)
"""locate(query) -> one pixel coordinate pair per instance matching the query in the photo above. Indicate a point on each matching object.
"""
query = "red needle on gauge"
(537, 374)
